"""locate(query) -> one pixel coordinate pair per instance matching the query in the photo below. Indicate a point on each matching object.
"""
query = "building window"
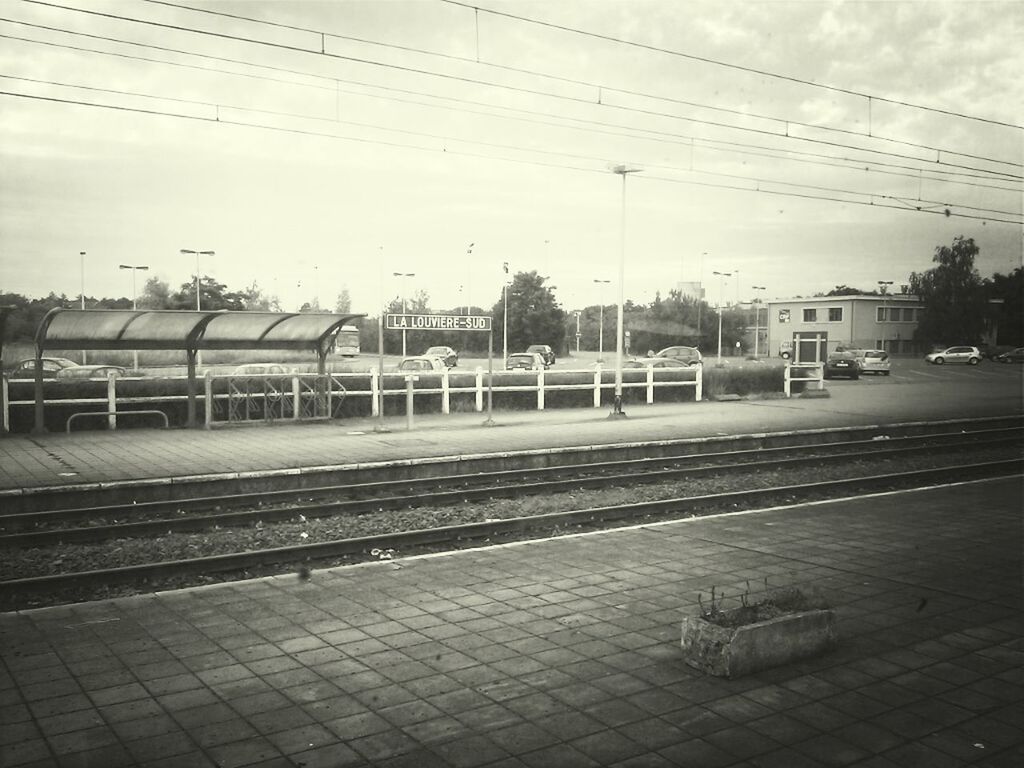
(810, 315)
(881, 314)
(835, 314)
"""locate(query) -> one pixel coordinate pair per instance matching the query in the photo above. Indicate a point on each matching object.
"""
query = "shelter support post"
(208, 399)
(40, 424)
(191, 355)
(323, 398)
(111, 400)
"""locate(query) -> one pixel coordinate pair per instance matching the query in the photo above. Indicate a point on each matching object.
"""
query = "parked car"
(968, 355)
(875, 361)
(447, 355)
(1013, 356)
(421, 364)
(26, 369)
(654, 362)
(546, 353)
(689, 355)
(79, 372)
(259, 369)
(842, 364)
(530, 361)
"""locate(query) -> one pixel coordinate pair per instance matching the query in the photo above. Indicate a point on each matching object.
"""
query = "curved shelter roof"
(186, 329)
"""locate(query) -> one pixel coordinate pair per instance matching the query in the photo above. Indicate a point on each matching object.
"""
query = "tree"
(215, 296)
(953, 296)
(156, 295)
(534, 316)
(253, 299)
(1006, 296)
(845, 290)
(343, 304)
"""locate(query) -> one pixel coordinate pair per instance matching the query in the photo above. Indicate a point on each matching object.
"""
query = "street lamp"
(883, 287)
(700, 287)
(199, 307)
(197, 254)
(81, 256)
(504, 321)
(400, 275)
(720, 276)
(600, 325)
(134, 268)
(757, 319)
(577, 333)
(623, 171)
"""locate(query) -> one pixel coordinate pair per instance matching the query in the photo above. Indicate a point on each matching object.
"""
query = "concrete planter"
(736, 651)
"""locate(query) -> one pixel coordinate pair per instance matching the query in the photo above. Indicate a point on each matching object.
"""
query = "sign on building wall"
(783, 315)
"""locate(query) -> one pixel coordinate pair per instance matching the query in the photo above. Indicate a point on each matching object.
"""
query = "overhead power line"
(690, 142)
(737, 67)
(600, 88)
(903, 205)
(933, 165)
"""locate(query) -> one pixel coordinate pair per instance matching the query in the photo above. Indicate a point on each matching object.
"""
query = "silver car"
(875, 361)
(968, 355)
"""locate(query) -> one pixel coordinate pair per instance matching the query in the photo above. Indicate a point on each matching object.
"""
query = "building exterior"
(806, 330)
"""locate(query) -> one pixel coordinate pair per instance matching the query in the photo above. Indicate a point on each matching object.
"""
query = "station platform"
(561, 652)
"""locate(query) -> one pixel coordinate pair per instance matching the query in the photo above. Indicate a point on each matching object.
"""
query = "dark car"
(689, 355)
(527, 361)
(842, 364)
(26, 369)
(447, 355)
(546, 353)
(1013, 356)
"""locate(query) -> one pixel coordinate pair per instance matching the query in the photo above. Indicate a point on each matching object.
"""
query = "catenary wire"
(574, 81)
(738, 67)
(463, 153)
(654, 135)
(679, 140)
(476, 81)
(492, 145)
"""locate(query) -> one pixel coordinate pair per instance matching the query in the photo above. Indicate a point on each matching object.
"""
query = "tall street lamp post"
(404, 291)
(700, 288)
(757, 319)
(600, 324)
(199, 303)
(623, 171)
(81, 256)
(883, 286)
(504, 320)
(135, 304)
(720, 276)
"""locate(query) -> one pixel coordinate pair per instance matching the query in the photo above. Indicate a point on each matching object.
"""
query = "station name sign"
(437, 322)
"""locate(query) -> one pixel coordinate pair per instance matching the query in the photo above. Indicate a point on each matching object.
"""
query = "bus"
(346, 343)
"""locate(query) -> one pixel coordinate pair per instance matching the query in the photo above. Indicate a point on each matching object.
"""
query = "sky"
(315, 147)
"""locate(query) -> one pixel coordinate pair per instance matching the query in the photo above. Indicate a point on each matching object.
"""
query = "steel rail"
(470, 467)
(448, 535)
(192, 523)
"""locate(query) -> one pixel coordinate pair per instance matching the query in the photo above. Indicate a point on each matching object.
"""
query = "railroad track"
(590, 475)
(33, 529)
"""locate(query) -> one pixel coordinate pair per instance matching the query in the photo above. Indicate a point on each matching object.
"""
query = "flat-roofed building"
(808, 329)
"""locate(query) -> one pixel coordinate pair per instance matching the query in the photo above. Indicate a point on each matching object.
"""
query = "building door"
(811, 347)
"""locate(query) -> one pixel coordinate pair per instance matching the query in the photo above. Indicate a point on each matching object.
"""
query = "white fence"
(532, 381)
(303, 387)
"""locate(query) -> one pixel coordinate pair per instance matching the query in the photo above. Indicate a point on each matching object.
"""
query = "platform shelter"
(190, 331)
